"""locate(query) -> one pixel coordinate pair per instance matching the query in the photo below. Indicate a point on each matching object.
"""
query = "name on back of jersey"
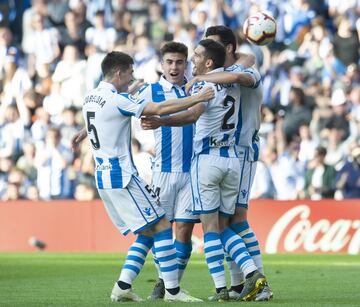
(95, 99)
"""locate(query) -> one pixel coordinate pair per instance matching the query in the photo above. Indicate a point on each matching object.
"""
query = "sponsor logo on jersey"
(214, 142)
(147, 211)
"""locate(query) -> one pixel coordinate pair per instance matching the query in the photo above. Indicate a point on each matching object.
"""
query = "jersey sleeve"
(197, 87)
(252, 71)
(130, 105)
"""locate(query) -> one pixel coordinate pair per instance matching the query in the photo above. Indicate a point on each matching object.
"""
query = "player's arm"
(242, 78)
(176, 105)
(78, 138)
(187, 117)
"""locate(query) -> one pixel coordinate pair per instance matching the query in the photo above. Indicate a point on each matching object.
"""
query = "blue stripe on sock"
(185, 248)
(209, 236)
(254, 253)
(215, 258)
(145, 240)
(235, 243)
(181, 266)
(244, 259)
(252, 244)
(216, 269)
(167, 258)
(213, 248)
(248, 235)
(163, 235)
(169, 268)
(135, 258)
(240, 227)
(238, 252)
(132, 268)
(138, 249)
(163, 248)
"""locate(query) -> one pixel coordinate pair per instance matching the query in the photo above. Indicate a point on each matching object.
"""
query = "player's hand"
(205, 94)
(77, 139)
(150, 122)
(190, 84)
(135, 86)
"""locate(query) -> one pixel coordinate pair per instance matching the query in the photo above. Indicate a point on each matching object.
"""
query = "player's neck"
(230, 60)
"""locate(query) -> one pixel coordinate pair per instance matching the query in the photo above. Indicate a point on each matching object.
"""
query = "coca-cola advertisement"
(325, 226)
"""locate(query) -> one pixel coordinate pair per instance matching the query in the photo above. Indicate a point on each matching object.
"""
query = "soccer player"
(107, 111)
(173, 151)
(247, 141)
(215, 168)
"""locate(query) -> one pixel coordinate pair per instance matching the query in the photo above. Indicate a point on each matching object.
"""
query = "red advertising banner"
(281, 227)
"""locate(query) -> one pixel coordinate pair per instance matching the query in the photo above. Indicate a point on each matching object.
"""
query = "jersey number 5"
(91, 128)
(228, 100)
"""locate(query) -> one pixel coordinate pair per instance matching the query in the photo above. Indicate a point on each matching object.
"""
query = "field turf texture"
(63, 279)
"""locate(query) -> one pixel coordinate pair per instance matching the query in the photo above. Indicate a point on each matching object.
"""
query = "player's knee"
(210, 222)
(184, 231)
(239, 216)
(161, 225)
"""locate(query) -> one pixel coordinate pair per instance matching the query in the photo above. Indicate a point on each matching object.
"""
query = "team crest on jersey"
(243, 193)
(147, 211)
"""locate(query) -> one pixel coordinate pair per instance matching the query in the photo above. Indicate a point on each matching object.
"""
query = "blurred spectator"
(53, 161)
(348, 178)
(310, 73)
(69, 71)
(319, 177)
(297, 113)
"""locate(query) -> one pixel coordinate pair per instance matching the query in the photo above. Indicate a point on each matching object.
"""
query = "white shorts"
(132, 208)
(215, 183)
(174, 191)
(247, 174)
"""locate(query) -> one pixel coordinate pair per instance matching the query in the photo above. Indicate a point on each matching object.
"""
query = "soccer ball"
(260, 28)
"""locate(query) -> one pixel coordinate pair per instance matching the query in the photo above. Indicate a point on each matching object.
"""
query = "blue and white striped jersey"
(173, 145)
(107, 115)
(249, 117)
(215, 128)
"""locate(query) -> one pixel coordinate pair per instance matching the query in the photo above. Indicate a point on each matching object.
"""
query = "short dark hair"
(214, 51)
(115, 61)
(174, 47)
(227, 36)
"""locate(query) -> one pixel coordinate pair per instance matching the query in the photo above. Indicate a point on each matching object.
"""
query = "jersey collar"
(167, 86)
(107, 86)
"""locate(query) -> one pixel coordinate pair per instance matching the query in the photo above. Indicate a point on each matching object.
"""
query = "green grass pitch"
(62, 279)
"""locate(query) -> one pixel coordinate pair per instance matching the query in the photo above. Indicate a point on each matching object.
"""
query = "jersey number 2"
(91, 128)
(228, 100)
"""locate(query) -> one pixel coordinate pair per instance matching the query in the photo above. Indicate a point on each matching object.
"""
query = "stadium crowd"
(51, 53)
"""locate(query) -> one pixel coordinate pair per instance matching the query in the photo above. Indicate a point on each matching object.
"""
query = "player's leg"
(114, 201)
(184, 222)
(206, 175)
(163, 186)
(233, 243)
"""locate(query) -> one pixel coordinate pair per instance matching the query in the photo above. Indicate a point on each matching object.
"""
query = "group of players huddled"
(207, 145)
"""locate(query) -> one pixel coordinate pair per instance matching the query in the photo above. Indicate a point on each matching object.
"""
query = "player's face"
(126, 77)
(174, 65)
(198, 59)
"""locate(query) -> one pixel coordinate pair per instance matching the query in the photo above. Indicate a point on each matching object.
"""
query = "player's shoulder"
(132, 98)
(235, 68)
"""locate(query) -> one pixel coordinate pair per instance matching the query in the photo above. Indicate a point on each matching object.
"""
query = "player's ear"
(229, 48)
(209, 63)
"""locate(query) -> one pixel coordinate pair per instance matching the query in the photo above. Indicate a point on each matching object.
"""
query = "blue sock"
(214, 254)
(135, 258)
(235, 247)
(251, 242)
(165, 253)
(183, 252)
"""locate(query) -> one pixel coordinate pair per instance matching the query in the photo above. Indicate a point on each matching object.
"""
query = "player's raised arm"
(248, 78)
(187, 117)
(176, 105)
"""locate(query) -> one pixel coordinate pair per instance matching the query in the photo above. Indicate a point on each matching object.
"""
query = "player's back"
(248, 110)
(215, 128)
(107, 116)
